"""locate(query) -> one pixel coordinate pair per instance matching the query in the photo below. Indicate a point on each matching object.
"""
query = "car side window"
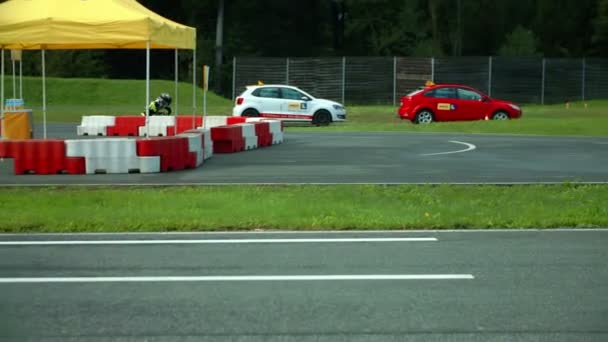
(270, 92)
(291, 94)
(442, 93)
(466, 94)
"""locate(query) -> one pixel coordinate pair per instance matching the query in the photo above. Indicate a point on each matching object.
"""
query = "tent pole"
(14, 81)
(176, 95)
(147, 89)
(194, 90)
(2, 94)
(43, 95)
(21, 79)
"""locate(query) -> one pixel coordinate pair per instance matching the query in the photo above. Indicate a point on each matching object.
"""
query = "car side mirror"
(485, 99)
(305, 98)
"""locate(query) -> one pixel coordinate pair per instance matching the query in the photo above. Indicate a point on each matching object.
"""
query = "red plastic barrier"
(125, 126)
(233, 120)
(226, 133)
(227, 139)
(42, 157)
(5, 148)
(75, 165)
(173, 151)
(229, 146)
(262, 131)
(184, 122)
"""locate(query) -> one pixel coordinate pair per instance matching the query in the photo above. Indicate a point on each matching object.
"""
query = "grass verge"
(337, 207)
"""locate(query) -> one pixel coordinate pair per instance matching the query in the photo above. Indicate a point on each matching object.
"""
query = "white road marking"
(236, 278)
(470, 147)
(207, 241)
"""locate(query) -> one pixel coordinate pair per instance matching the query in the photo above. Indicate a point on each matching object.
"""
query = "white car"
(287, 103)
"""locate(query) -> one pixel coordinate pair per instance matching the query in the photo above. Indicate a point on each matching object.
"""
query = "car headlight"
(514, 106)
(338, 107)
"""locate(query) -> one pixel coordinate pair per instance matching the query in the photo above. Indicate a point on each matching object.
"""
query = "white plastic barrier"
(208, 144)
(95, 125)
(276, 131)
(251, 139)
(158, 125)
(215, 121)
(195, 144)
(111, 156)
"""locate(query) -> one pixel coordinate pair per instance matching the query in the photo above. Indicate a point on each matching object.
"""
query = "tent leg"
(147, 89)
(43, 94)
(21, 79)
(2, 93)
(14, 81)
(194, 87)
(176, 95)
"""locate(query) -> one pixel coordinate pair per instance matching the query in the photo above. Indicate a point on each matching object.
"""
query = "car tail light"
(239, 100)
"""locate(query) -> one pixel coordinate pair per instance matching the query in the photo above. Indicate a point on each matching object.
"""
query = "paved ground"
(397, 157)
(524, 286)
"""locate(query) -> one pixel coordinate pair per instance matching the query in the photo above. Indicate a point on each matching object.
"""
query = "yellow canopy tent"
(89, 24)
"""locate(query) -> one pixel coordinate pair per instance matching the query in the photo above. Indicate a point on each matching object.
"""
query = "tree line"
(305, 28)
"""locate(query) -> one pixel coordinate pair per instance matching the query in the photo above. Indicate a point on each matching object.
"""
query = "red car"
(452, 102)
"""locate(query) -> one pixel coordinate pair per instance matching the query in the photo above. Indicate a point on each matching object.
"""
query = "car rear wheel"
(250, 112)
(500, 116)
(424, 116)
(321, 118)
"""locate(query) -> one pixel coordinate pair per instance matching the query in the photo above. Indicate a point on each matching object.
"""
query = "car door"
(444, 103)
(295, 104)
(269, 101)
(471, 106)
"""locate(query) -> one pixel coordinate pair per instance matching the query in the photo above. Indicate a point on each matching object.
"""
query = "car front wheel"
(424, 116)
(321, 118)
(500, 116)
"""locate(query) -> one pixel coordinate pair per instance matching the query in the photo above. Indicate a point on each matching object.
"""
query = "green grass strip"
(301, 207)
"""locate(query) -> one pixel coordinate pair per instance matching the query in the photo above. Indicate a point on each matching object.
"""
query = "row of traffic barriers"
(124, 154)
(130, 125)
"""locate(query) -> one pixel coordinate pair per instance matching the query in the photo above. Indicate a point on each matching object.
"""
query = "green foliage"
(521, 42)
(299, 28)
(600, 38)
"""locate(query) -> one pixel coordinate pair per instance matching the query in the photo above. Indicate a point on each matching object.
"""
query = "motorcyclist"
(160, 106)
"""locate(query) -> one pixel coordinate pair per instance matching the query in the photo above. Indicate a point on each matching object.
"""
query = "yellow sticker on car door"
(446, 106)
(293, 106)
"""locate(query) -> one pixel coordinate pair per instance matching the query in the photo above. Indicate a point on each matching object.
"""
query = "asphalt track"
(378, 157)
(523, 286)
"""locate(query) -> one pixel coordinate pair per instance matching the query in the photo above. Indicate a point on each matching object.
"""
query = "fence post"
(287, 71)
(394, 81)
(233, 77)
(490, 76)
(343, 78)
(542, 88)
(433, 69)
(584, 77)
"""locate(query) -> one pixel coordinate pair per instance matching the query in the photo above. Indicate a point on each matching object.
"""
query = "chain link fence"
(382, 80)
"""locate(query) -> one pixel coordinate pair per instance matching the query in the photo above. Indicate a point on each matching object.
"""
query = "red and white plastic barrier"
(159, 126)
(125, 126)
(116, 155)
(95, 125)
(188, 149)
(249, 137)
(110, 155)
(42, 157)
